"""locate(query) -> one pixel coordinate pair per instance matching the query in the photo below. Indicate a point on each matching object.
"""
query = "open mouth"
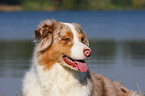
(76, 64)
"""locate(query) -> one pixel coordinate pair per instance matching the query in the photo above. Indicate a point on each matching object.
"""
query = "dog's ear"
(43, 35)
(45, 28)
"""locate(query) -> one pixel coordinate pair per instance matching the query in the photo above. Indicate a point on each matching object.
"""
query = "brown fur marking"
(82, 34)
(55, 52)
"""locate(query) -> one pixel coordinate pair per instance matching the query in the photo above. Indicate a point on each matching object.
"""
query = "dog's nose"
(87, 52)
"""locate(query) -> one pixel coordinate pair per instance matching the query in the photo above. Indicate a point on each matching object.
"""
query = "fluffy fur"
(51, 75)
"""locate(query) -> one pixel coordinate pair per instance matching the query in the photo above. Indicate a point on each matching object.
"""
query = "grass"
(5, 90)
(17, 93)
(142, 94)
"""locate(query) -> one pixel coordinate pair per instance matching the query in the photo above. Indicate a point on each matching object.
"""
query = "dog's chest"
(59, 82)
(67, 91)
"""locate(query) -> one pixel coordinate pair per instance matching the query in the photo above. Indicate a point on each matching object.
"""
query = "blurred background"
(9, 5)
(115, 29)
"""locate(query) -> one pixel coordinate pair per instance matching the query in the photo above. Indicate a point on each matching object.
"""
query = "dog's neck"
(62, 79)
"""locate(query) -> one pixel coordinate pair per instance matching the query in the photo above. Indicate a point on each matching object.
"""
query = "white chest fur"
(58, 81)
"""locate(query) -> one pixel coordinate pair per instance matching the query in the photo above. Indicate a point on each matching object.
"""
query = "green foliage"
(11, 2)
(69, 4)
(121, 2)
(99, 4)
(37, 5)
(77, 4)
(138, 3)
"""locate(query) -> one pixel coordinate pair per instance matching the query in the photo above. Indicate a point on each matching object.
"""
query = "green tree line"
(76, 4)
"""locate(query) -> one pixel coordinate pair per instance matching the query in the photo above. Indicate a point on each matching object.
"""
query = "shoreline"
(9, 8)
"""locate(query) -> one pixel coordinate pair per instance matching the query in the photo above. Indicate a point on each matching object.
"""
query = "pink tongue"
(82, 66)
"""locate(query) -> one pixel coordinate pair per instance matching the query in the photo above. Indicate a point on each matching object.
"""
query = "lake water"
(117, 39)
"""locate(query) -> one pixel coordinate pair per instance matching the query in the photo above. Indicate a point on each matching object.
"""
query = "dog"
(59, 65)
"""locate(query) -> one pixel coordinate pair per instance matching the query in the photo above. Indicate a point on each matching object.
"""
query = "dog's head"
(63, 43)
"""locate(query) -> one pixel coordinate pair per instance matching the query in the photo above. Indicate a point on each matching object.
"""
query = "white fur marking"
(78, 47)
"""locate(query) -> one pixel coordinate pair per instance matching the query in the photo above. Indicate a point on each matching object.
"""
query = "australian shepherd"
(59, 65)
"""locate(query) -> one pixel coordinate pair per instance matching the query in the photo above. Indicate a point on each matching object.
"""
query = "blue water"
(100, 24)
(117, 39)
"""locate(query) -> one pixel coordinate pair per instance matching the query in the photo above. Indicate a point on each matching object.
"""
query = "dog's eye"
(82, 39)
(66, 39)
